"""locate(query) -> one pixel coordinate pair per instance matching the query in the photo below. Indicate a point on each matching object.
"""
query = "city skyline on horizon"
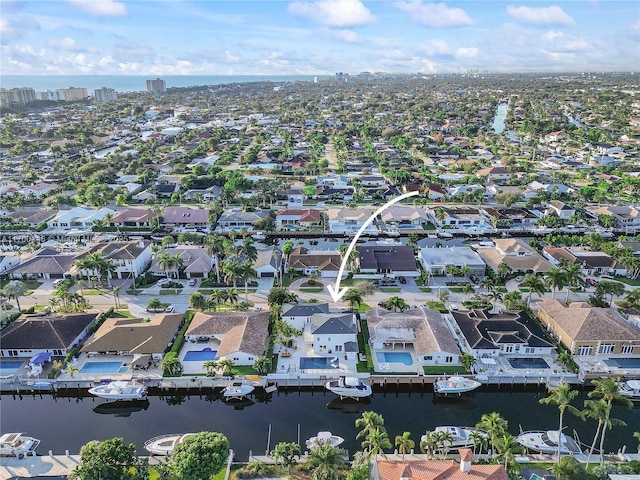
(200, 38)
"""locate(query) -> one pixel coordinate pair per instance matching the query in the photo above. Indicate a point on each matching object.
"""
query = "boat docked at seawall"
(455, 385)
(120, 390)
(165, 444)
(349, 387)
(237, 390)
(460, 436)
(324, 438)
(630, 389)
(547, 442)
(17, 445)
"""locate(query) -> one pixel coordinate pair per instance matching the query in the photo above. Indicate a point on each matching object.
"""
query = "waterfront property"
(325, 263)
(436, 260)
(515, 253)
(196, 262)
(394, 260)
(299, 314)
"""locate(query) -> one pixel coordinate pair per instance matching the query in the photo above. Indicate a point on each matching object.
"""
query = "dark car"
(383, 305)
(473, 278)
(402, 280)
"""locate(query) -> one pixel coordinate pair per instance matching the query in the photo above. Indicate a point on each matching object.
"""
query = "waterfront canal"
(66, 423)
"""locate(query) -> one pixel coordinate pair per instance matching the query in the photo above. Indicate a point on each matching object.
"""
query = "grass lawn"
(390, 289)
(426, 289)
(443, 369)
(121, 314)
(634, 283)
(132, 291)
(363, 308)
(32, 284)
(170, 291)
(89, 291)
(311, 289)
(435, 305)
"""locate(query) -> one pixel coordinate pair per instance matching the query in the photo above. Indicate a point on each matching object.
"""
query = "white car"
(193, 282)
(169, 309)
(164, 281)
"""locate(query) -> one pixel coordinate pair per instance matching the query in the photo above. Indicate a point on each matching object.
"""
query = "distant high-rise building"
(19, 96)
(73, 93)
(105, 94)
(156, 86)
(342, 77)
(54, 95)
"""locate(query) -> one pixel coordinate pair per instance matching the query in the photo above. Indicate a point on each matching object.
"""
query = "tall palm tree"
(246, 273)
(428, 444)
(215, 246)
(231, 296)
(404, 443)
(598, 410)
(231, 272)
(507, 447)
(166, 263)
(353, 297)
(535, 285)
(376, 441)
(216, 297)
(494, 425)
(573, 276)
(479, 441)
(561, 396)
(326, 462)
(554, 279)
(248, 250)
(368, 421)
(397, 303)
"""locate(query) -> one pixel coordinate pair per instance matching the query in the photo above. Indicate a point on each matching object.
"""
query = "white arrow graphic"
(336, 293)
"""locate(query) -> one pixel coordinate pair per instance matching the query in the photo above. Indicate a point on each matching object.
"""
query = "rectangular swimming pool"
(103, 367)
(523, 363)
(626, 362)
(7, 367)
(395, 357)
(316, 362)
(201, 355)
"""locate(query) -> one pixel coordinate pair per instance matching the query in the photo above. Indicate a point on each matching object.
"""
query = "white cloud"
(561, 42)
(467, 52)
(342, 34)
(230, 58)
(434, 14)
(333, 13)
(435, 48)
(69, 44)
(14, 28)
(107, 8)
(553, 15)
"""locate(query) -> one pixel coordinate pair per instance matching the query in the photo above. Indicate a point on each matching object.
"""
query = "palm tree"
(607, 389)
(353, 297)
(507, 447)
(512, 300)
(561, 396)
(231, 272)
(326, 461)
(368, 421)
(15, 289)
(197, 301)
(468, 361)
(262, 364)
(215, 246)
(246, 273)
(154, 304)
(210, 366)
(226, 364)
(116, 296)
(535, 285)
(597, 410)
(376, 441)
(488, 283)
(573, 276)
(404, 443)
(248, 250)
(286, 452)
(479, 441)
(428, 444)
(443, 440)
(397, 303)
(494, 425)
(554, 279)
(633, 297)
(231, 296)
(216, 297)
(166, 263)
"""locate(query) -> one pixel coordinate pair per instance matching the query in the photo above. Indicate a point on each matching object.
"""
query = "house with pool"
(333, 334)
(407, 341)
(242, 337)
(298, 315)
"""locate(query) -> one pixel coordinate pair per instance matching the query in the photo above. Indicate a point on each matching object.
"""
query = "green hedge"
(179, 342)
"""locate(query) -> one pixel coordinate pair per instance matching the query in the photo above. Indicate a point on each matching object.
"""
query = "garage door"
(267, 275)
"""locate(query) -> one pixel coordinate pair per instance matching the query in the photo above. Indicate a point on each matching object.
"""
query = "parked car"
(473, 278)
(193, 282)
(58, 282)
(164, 281)
(453, 307)
(591, 282)
(402, 279)
(169, 309)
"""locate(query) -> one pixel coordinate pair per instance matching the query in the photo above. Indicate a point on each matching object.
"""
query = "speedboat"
(630, 389)
(17, 445)
(460, 436)
(324, 438)
(349, 387)
(547, 442)
(455, 385)
(120, 390)
(164, 444)
(237, 390)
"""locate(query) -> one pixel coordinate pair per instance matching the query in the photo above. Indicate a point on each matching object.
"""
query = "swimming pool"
(625, 362)
(395, 357)
(103, 367)
(523, 363)
(200, 355)
(317, 362)
(7, 367)
(408, 226)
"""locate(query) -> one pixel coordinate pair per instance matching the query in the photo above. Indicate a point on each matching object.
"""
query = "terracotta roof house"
(419, 329)
(196, 262)
(628, 217)
(33, 334)
(185, 217)
(46, 263)
(133, 217)
(136, 335)
(302, 218)
(588, 331)
(517, 254)
(424, 469)
(242, 336)
(388, 260)
(326, 263)
(493, 334)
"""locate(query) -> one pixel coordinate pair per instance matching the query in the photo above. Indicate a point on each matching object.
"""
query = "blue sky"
(209, 37)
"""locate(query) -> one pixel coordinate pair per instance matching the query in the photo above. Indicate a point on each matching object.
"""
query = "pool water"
(8, 367)
(200, 355)
(523, 363)
(103, 367)
(395, 357)
(625, 362)
(316, 362)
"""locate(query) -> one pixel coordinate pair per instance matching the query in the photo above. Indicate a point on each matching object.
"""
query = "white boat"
(445, 235)
(392, 233)
(349, 387)
(630, 389)
(120, 390)
(237, 391)
(164, 444)
(460, 436)
(17, 445)
(455, 385)
(547, 442)
(323, 438)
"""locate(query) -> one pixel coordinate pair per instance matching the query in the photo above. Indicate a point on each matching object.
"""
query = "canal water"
(66, 423)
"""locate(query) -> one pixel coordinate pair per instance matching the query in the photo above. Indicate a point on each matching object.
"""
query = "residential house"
(334, 334)
(130, 259)
(55, 334)
(196, 262)
(336, 194)
(325, 263)
(287, 219)
(591, 262)
(46, 263)
(458, 217)
(404, 218)
(334, 180)
(392, 260)
(505, 333)
(560, 210)
(134, 217)
(32, 216)
(372, 180)
(40, 190)
(515, 218)
(8, 261)
(78, 217)
(436, 260)
(350, 220)
(294, 197)
(628, 217)
(517, 254)
(131, 336)
(237, 219)
(268, 263)
(242, 337)
(423, 468)
(536, 187)
(462, 189)
(185, 217)
(299, 315)
(495, 174)
(419, 330)
(587, 331)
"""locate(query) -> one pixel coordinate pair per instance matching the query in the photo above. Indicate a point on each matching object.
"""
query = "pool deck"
(195, 367)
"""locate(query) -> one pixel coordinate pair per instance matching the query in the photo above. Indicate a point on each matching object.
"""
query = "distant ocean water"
(131, 83)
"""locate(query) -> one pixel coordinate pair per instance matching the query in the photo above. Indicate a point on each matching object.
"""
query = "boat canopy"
(40, 358)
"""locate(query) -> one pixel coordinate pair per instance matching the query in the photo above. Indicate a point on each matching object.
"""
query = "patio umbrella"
(141, 359)
(40, 358)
